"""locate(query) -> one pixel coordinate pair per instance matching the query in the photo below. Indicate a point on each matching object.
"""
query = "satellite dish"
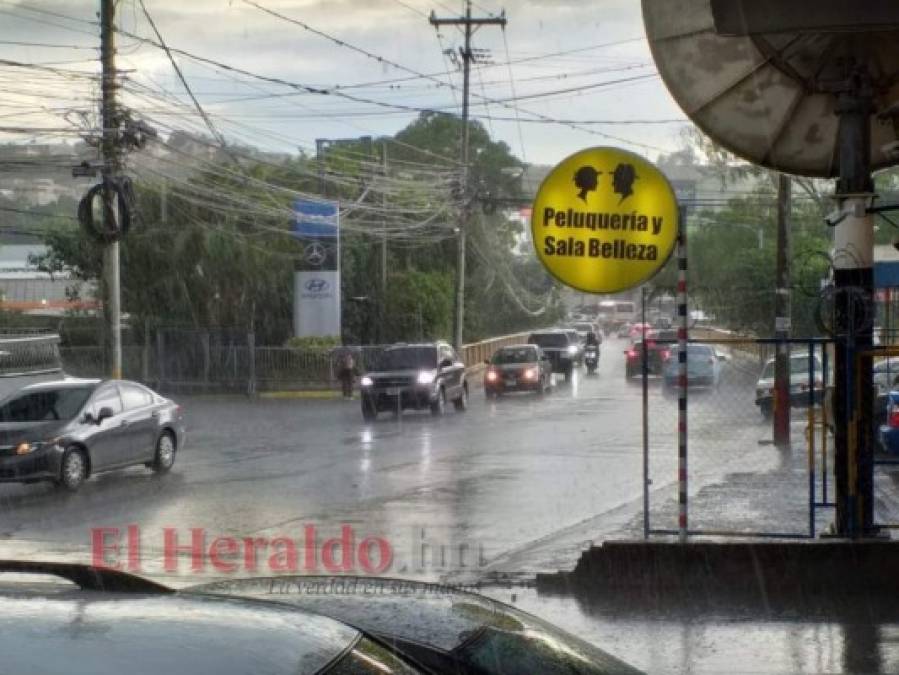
(763, 77)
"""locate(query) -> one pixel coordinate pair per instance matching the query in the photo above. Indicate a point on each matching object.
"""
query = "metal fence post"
(825, 421)
(811, 439)
(251, 357)
(682, 375)
(145, 354)
(160, 358)
(645, 378)
(206, 358)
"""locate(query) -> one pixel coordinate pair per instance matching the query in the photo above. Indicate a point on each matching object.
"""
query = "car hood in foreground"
(484, 632)
(99, 633)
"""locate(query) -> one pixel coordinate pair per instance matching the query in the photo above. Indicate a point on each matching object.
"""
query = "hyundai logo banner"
(316, 303)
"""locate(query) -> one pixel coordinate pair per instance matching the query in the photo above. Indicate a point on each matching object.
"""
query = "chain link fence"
(190, 360)
(740, 483)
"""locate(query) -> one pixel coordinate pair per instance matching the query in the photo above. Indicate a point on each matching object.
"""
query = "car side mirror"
(722, 357)
(87, 418)
(105, 413)
(446, 363)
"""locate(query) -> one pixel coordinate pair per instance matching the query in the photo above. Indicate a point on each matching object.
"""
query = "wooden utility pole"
(469, 25)
(382, 332)
(782, 314)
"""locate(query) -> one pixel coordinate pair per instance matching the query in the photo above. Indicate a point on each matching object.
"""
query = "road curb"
(313, 394)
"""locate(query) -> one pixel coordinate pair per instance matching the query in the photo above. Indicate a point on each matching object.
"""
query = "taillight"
(631, 354)
(665, 354)
(491, 375)
(893, 419)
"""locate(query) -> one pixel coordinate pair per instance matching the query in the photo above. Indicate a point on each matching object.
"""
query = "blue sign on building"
(314, 219)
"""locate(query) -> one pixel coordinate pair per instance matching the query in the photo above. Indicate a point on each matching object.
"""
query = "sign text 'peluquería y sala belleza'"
(604, 220)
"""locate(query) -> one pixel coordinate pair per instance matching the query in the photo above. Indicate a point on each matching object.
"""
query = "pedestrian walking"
(346, 370)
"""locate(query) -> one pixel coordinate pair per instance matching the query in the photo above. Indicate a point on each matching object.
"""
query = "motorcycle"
(591, 358)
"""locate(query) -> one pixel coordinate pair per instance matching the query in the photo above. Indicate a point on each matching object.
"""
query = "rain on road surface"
(523, 482)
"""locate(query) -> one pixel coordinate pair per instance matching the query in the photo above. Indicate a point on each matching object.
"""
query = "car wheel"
(73, 471)
(461, 403)
(368, 411)
(438, 407)
(165, 453)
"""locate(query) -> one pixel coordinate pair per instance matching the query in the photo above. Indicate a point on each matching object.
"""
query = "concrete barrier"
(761, 569)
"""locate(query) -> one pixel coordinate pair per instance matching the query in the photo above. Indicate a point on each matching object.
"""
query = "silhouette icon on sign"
(623, 180)
(586, 179)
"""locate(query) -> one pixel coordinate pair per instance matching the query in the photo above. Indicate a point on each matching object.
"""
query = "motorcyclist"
(592, 340)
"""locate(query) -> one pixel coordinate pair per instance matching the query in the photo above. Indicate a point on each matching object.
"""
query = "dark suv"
(559, 347)
(416, 376)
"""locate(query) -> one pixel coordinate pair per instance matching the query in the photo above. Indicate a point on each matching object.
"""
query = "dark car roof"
(99, 633)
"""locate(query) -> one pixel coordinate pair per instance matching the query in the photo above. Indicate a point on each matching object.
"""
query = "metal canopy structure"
(762, 77)
(809, 87)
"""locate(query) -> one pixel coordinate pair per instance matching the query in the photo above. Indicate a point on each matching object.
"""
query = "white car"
(799, 383)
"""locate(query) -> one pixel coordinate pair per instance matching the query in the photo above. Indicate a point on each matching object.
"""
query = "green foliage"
(733, 280)
(419, 306)
(208, 263)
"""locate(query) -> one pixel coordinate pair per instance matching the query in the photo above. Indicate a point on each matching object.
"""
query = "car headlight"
(366, 381)
(25, 448)
(572, 349)
(530, 374)
(426, 377)
(28, 448)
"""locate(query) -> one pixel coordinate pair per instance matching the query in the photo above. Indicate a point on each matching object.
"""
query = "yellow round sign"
(604, 220)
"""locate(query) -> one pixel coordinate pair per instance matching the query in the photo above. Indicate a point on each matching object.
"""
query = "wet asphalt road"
(509, 487)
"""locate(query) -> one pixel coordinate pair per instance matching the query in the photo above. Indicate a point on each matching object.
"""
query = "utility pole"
(381, 328)
(111, 170)
(469, 25)
(782, 314)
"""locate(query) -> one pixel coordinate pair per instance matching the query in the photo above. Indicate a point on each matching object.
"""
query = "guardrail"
(474, 354)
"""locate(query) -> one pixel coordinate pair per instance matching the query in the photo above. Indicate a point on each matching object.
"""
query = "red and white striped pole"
(682, 375)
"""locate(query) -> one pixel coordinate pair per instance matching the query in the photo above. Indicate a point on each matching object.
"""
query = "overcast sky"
(237, 34)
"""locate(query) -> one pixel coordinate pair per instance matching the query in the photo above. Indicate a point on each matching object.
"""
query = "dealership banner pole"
(682, 374)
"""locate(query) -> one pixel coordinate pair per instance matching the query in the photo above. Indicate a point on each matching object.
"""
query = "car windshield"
(407, 358)
(798, 366)
(549, 340)
(45, 405)
(516, 355)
